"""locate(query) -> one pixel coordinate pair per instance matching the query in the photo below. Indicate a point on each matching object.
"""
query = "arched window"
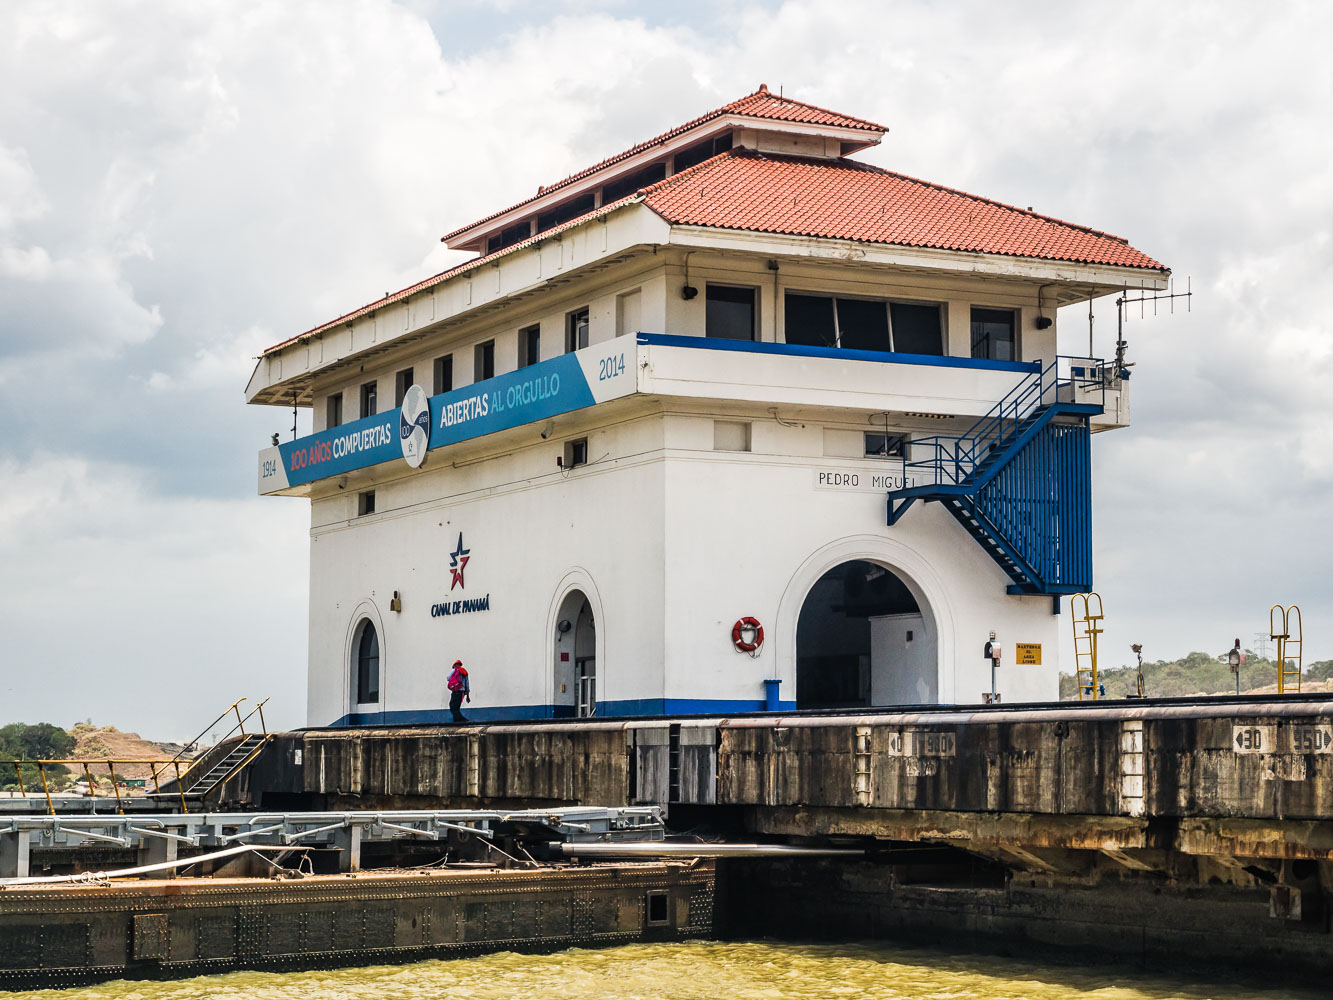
(367, 665)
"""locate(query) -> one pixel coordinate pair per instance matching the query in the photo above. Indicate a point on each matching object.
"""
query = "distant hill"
(1203, 674)
(107, 742)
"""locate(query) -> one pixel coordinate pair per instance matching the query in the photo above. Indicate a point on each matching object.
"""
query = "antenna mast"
(1142, 299)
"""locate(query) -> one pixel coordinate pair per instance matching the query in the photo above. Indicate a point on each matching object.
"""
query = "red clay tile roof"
(846, 200)
(830, 199)
(760, 104)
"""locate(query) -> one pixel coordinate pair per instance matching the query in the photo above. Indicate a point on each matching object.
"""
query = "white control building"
(729, 378)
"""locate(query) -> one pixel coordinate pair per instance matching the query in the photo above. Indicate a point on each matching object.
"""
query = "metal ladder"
(1288, 646)
(237, 756)
(1087, 627)
(222, 762)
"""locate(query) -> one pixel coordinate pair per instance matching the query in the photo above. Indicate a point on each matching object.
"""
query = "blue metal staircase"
(1019, 480)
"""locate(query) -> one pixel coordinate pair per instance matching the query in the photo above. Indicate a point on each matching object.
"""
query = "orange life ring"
(743, 625)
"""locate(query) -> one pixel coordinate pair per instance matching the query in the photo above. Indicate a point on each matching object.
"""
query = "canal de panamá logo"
(414, 426)
(457, 563)
(458, 559)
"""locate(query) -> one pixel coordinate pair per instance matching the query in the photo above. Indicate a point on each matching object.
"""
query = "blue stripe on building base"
(628, 708)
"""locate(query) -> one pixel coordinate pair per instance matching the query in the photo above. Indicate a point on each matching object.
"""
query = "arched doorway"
(575, 657)
(862, 639)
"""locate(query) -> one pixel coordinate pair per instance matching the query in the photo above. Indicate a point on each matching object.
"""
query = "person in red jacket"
(459, 688)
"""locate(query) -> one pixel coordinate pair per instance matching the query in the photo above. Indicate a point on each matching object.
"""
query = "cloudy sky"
(183, 184)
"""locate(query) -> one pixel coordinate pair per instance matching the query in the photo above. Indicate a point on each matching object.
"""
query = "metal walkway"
(160, 837)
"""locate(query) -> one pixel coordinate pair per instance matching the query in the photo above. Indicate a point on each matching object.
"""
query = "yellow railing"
(239, 727)
(158, 770)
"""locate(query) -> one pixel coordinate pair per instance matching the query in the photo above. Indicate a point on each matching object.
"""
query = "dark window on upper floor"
(333, 410)
(571, 209)
(729, 312)
(365, 503)
(809, 320)
(993, 334)
(529, 345)
(444, 374)
(701, 151)
(507, 237)
(483, 361)
(863, 324)
(576, 330)
(369, 399)
(617, 189)
(401, 383)
(917, 329)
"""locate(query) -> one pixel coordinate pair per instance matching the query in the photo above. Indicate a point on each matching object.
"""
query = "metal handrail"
(155, 767)
(240, 725)
(954, 457)
(204, 732)
(239, 766)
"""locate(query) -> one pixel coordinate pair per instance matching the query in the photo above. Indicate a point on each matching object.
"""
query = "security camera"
(275, 440)
(1044, 322)
(688, 292)
(565, 625)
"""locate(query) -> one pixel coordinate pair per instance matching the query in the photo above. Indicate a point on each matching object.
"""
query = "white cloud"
(182, 184)
(145, 611)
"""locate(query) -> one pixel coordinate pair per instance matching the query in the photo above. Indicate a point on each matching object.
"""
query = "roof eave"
(473, 237)
(1110, 277)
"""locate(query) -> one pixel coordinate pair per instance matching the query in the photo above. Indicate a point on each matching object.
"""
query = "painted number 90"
(610, 367)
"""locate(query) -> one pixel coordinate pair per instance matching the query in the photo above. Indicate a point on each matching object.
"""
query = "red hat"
(458, 663)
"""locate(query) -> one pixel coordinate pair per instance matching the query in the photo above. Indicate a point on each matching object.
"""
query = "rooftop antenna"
(1142, 300)
(295, 396)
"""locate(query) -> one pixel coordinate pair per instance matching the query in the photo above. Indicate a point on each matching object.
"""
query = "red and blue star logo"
(457, 563)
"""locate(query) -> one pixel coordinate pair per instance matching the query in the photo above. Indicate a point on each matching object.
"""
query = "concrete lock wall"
(873, 778)
(1100, 914)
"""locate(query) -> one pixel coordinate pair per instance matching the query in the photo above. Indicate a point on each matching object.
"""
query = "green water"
(695, 971)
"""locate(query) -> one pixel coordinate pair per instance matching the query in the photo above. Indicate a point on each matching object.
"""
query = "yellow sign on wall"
(1028, 653)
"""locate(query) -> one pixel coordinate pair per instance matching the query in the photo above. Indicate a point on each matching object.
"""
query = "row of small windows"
(483, 367)
(734, 435)
(858, 324)
(731, 312)
(611, 191)
(728, 435)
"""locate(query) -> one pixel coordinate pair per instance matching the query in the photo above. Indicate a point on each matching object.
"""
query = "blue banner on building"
(538, 392)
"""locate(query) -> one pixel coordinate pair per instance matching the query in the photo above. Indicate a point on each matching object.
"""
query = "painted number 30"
(610, 367)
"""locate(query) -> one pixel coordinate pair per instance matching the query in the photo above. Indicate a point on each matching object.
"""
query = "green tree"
(1194, 673)
(43, 741)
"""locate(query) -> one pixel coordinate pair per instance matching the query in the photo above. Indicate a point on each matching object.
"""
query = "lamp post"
(1233, 661)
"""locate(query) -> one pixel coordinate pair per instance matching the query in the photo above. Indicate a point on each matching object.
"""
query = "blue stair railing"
(1019, 480)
